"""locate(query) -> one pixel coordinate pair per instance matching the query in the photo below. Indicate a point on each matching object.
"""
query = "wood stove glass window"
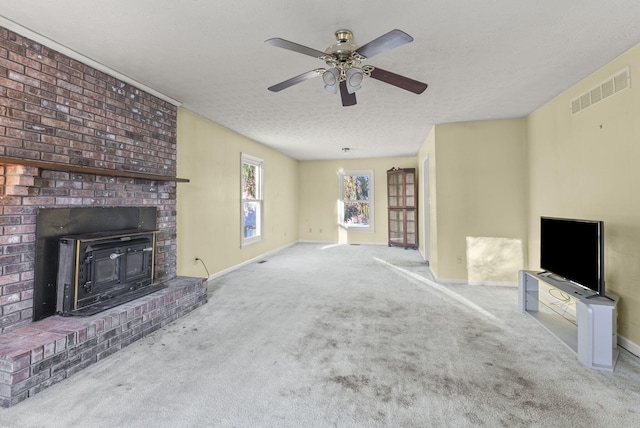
(135, 264)
(107, 270)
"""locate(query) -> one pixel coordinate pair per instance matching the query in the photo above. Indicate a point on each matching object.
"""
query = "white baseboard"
(494, 283)
(383, 244)
(630, 346)
(262, 256)
(248, 262)
(310, 241)
(457, 281)
(451, 281)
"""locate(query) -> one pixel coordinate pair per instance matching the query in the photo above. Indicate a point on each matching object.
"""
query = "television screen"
(573, 249)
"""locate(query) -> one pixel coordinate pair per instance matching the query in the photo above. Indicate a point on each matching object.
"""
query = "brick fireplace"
(72, 136)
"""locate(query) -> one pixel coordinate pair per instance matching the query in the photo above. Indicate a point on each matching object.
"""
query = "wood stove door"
(115, 269)
(96, 269)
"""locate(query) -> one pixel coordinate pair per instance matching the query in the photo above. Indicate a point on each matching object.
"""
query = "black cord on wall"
(198, 259)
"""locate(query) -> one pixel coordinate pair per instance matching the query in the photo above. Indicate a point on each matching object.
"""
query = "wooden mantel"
(87, 170)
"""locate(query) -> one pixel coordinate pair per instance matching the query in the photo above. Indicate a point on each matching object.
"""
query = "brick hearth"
(35, 357)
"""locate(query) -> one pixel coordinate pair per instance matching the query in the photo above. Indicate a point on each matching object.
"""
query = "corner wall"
(429, 250)
(209, 205)
(586, 166)
(478, 200)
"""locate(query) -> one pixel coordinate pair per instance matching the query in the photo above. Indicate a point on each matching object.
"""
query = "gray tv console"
(590, 331)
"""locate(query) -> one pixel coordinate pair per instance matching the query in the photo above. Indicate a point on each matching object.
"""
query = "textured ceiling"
(482, 60)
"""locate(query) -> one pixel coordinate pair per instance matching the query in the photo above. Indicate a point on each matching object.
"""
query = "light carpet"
(343, 336)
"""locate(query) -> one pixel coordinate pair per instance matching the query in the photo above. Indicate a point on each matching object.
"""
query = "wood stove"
(97, 271)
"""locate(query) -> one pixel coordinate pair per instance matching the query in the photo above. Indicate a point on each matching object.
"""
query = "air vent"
(613, 85)
(621, 80)
(607, 88)
(596, 94)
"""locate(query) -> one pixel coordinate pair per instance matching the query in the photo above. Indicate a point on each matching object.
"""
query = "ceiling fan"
(344, 58)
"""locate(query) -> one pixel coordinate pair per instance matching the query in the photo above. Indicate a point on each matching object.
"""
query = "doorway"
(426, 209)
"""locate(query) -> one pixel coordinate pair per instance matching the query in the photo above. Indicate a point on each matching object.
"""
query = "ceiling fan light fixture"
(331, 78)
(354, 79)
(332, 89)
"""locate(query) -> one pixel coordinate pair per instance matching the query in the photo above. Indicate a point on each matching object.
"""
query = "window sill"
(250, 241)
(368, 229)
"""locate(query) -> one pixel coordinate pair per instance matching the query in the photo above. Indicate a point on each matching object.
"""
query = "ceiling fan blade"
(295, 80)
(399, 81)
(392, 39)
(347, 98)
(286, 44)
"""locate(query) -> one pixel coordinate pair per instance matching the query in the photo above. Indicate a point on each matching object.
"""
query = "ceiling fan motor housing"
(343, 49)
(344, 35)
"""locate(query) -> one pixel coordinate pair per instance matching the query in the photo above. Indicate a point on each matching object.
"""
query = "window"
(356, 199)
(252, 202)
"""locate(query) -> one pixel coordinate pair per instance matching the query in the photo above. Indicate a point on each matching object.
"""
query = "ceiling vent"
(613, 85)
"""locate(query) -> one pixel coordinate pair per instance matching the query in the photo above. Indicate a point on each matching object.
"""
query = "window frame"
(341, 200)
(259, 199)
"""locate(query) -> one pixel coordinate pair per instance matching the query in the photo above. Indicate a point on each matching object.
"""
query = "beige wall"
(209, 205)
(478, 200)
(429, 250)
(319, 192)
(586, 166)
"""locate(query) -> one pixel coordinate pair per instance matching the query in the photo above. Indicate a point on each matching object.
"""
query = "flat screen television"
(574, 250)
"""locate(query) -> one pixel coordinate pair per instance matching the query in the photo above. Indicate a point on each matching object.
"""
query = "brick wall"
(56, 109)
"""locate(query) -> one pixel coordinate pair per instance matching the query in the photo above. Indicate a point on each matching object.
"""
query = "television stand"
(586, 323)
(594, 296)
